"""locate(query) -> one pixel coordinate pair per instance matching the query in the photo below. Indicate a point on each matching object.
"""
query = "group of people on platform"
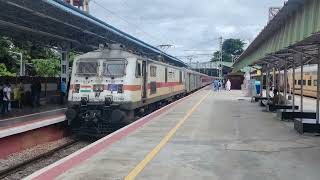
(8, 95)
(217, 85)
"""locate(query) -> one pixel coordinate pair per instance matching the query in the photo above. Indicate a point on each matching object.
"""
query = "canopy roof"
(55, 23)
(294, 30)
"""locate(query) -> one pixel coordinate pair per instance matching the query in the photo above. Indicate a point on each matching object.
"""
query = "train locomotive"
(112, 86)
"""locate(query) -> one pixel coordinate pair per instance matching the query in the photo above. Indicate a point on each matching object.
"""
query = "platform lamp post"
(22, 64)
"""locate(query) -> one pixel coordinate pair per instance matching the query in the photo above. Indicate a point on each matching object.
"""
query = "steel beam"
(303, 53)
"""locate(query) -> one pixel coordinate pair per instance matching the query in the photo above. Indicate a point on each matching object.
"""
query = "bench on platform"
(304, 125)
(258, 98)
(272, 107)
(284, 114)
(264, 103)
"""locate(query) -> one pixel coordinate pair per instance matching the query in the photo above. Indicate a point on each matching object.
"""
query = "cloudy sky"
(186, 24)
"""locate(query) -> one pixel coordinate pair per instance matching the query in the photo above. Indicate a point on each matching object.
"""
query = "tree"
(233, 46)
(4, 71)
(230, 47)
(47, 67)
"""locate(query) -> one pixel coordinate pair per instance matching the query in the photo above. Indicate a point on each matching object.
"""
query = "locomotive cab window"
(153, 71)
(87, 68)
(114, 68)
(138, 69)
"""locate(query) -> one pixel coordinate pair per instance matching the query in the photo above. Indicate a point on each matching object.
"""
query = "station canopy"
(294, 30)
(54, 23)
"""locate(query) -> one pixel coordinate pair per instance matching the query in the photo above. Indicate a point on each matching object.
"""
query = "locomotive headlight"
(120, 88)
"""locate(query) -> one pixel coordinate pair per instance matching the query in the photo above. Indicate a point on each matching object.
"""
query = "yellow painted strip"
(135, 172)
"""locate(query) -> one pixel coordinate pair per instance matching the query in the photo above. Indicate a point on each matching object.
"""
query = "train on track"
(112, 86)
(309, 81)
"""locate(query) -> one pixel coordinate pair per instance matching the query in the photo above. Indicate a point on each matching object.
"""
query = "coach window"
(309, 82)
(153, 71)
(166, 75)
(304, 82)
(315, 83)
(138, 70)
(299, 82)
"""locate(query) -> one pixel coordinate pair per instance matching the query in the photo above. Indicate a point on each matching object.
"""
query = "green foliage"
(230, 47)
(4, 71)
(47, 67)
(72, 55)
(46, 61)
(5, 57)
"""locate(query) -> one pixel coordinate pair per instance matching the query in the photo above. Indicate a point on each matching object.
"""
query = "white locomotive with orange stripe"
(112, 86)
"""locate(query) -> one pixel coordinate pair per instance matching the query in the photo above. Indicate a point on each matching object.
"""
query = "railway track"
(27, 167)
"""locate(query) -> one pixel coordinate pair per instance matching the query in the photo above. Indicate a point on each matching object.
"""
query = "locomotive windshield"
(114, 68)
(87, 68)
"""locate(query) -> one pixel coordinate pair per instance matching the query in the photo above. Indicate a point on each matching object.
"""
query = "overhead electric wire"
(126, 21)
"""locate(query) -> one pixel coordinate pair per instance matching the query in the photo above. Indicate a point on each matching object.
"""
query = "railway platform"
(21, 132)
(31, 114)
(207, 135)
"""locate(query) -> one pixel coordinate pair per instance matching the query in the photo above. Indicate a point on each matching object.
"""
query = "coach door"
(144, 79)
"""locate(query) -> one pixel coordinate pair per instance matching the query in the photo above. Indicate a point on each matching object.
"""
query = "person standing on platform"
(215, 85)
(219, 85)
(17, 94)
(1, 96)
(35, 92)
(228, 85)
(6, 98)
(63, 91)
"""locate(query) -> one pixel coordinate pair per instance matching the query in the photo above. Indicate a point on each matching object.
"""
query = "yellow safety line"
(135, 172)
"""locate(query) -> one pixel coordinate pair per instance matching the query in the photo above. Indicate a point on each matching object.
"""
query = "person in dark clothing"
(1, 96)
(35, 93)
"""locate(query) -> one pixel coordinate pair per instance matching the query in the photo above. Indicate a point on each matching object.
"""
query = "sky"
(189, 25)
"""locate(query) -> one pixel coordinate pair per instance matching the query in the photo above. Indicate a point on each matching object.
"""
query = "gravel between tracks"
(31, 153)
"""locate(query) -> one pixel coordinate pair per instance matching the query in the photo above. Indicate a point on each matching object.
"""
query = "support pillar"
(296, 56)
(301, 85)
(64, 66)
(285, 80)
(261, 82)
(318, 87)
(279, 79)
(274, 74)
(268, 83)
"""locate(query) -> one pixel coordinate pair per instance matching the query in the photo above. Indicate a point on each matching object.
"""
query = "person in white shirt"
(6, 98)
(228, 85)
